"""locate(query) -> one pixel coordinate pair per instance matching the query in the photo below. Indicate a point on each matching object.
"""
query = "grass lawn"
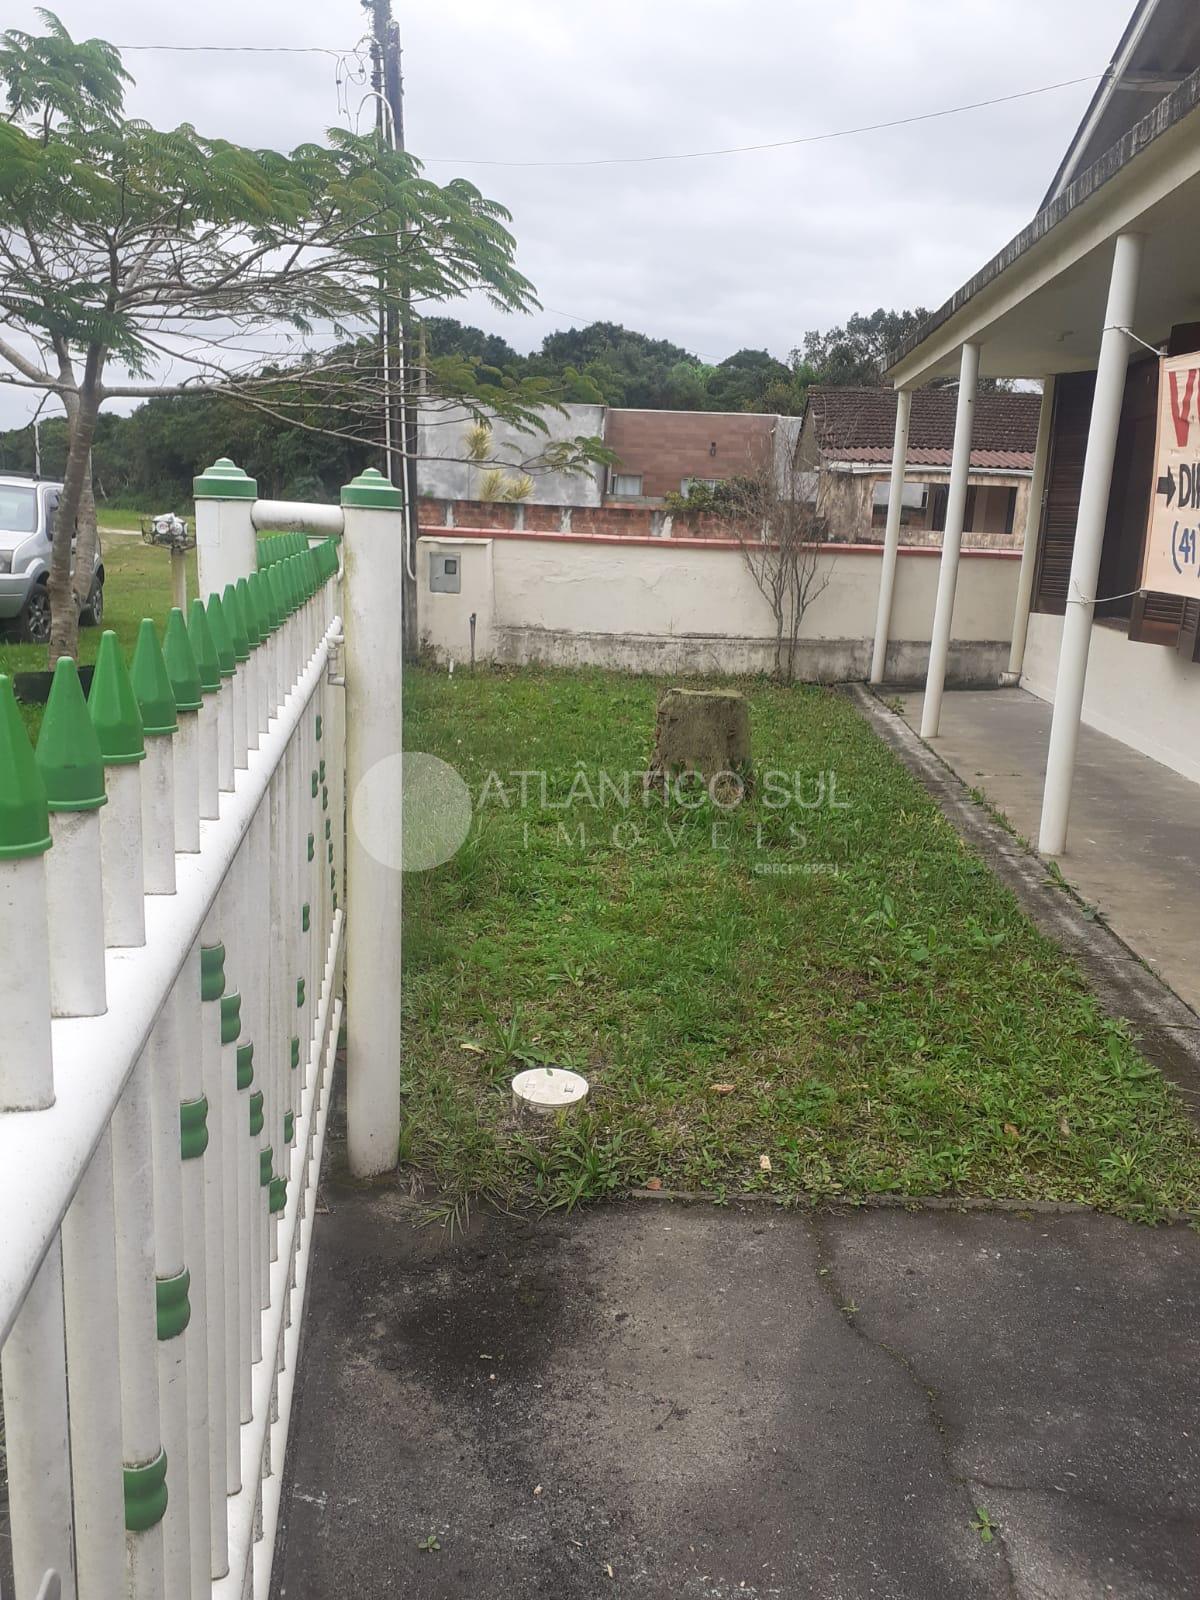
(137, 584)
(887, 1021)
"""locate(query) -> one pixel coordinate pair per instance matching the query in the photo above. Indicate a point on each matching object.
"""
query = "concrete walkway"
(1133, 850)
(688, 1403)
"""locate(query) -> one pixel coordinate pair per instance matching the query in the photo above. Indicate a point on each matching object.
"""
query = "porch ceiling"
(1038, 307)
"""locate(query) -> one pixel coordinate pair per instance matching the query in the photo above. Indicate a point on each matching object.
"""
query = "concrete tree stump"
(704, 733)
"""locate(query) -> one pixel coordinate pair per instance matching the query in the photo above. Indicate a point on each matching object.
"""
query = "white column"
(891, 537)
(956, 506)
(226, 546)
(1033, 527)
(1089, 539)
(374, 728)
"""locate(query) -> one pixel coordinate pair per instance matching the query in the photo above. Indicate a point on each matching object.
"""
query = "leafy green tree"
(858, 352)
(123, 248)
(739, 382)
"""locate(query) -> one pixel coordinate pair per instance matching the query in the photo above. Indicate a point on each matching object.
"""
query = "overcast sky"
(716, 253)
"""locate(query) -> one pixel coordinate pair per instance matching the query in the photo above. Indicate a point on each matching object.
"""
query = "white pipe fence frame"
(165, 1087)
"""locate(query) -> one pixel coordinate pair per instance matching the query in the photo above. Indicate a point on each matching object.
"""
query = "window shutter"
(1188, 643)
(1064, 479)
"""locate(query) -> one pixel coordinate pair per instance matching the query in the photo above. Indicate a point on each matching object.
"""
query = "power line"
(242, 49)
(774, 144)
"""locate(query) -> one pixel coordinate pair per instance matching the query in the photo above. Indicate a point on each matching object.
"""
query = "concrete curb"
(1167, 1030)
(842, 1205)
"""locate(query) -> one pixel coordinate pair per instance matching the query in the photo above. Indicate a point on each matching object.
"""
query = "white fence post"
(374, 562)
(226, 549)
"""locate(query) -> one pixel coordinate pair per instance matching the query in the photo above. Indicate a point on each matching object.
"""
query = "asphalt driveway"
(666, 1400)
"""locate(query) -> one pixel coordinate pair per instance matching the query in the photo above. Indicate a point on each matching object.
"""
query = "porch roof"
(1038, 306)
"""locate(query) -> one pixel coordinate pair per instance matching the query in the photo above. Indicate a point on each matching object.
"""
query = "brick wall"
(642, 522)
(667, 446)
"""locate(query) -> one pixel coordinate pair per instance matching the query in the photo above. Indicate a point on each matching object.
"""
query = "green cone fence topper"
(212, 971)
(245, 1065)
(236, 623)
(68, 751)
(151, 685)
(113, 707)
(146, 1494)
(249, 614)
(222, 638)
(295, 1058)
(299, 991)
(289, 1126)
(172, 1304)
(193, 1128)
(278, 1194)
(256, 1113)
(231, 1017)
(265, 1157)
(24, 820)
(203, 648)
(183, 670)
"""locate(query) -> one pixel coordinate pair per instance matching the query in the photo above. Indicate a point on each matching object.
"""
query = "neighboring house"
(1084, 299)
(845, 455)
(445, 437)
(657, 453)
(664, 452)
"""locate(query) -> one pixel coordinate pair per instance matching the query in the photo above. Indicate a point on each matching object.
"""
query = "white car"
(27, 509)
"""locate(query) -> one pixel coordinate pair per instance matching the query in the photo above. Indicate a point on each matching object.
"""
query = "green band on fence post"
(193, 1128)
(265, 1158)
(146, 1494)
(324, 797)
(212, 971)
(321, 769)
(311, 846)
(289, 1126)
(328, 827)
(304, 918)
(278, 1194)
(245, 1065)
(256, 1113)
(171, 1302)
(295, 1051)
(231, 1017)
(299, 991)
(320, 725)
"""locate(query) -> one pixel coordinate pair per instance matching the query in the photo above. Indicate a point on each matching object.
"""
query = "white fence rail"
(172, 867)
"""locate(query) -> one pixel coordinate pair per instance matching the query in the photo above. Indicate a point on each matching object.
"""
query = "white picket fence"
(171, 977)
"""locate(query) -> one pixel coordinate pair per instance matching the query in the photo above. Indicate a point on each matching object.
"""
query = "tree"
(781, 536)
(739, 382)
(858, 352)
(123, 248)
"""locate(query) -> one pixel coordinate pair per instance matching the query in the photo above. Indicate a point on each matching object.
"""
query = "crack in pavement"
(827, 1283)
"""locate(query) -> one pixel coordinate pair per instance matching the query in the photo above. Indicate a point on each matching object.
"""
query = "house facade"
(1090, 299)
(844, 452)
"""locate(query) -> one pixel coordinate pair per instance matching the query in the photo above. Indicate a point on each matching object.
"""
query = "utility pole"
(396, 321)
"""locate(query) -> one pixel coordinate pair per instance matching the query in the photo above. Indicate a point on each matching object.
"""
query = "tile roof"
(860, 424)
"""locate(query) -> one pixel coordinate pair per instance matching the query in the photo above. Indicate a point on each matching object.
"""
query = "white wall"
(443, 438)
(1145, 695)
(677, 606)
